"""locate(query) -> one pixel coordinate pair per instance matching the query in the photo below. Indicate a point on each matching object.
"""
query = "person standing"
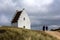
(44, 28)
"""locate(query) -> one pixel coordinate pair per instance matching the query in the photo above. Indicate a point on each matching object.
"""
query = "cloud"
(4, 19)
(7, 7)
(54, 26)
(37, 5)
(32, 6)
(40, 11)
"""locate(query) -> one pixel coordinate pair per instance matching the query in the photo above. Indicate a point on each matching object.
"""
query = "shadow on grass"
(2, 31)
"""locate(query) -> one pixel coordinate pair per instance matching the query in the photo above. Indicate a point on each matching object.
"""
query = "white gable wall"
(22, 22)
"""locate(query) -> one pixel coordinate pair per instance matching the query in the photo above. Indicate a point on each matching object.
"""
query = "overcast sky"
(41, 12)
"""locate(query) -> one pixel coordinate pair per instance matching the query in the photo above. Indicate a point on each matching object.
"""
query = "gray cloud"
(40, 11)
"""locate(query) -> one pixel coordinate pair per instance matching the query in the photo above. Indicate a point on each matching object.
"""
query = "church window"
(24, 18)
(23, 26)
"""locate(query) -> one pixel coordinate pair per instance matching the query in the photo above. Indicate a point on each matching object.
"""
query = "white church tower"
(21, 20)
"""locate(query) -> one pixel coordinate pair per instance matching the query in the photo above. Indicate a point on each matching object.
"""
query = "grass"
(11, 33)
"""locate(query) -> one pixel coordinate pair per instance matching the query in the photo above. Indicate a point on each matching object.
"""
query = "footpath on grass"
(54, 34)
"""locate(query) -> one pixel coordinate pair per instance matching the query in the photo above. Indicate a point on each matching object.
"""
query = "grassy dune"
(10, 33)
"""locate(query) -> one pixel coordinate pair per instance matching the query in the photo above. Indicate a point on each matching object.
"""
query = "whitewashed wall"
(22, 22)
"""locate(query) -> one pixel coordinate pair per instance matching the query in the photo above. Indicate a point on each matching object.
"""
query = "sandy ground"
(54, 33)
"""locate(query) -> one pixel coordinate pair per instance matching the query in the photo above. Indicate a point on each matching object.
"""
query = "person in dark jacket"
(44, 28)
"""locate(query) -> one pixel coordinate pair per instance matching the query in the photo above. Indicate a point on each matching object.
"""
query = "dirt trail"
(54, 33)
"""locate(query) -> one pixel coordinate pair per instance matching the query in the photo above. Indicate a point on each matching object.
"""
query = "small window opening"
(23, 18)
(23, 26)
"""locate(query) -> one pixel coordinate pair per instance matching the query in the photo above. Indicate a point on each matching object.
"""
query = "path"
(54, 33)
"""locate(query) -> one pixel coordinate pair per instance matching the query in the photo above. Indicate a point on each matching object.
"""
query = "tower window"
(23, 18)
(23, 26)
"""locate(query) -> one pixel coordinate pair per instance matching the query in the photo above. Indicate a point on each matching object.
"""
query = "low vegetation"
(10, 33)
(58, 30)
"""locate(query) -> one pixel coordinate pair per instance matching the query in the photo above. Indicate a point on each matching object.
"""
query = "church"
(21, 20)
